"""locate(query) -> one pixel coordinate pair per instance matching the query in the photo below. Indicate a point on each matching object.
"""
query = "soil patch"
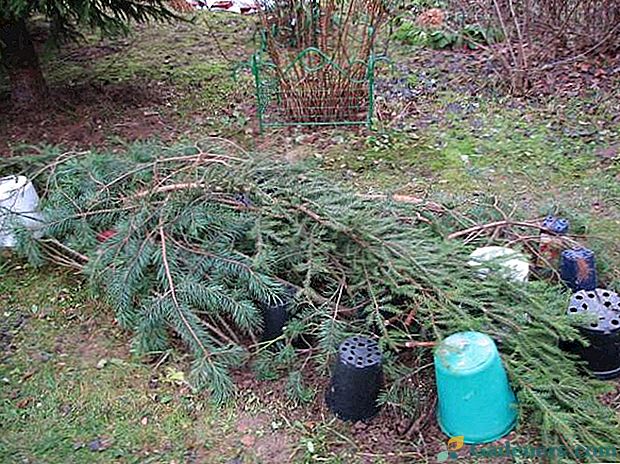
(93, 342)
(388, 436)
(90, 115)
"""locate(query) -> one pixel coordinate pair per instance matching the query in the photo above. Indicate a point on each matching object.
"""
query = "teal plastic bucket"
(475, 398)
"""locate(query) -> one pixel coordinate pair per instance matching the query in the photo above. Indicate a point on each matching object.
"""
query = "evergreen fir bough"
(205, 235)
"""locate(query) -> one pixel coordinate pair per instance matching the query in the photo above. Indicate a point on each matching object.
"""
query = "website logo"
(456, 446)
(451, 452)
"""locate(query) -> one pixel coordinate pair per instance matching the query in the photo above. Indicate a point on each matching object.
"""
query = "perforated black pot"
(356, 380)
(602, 330)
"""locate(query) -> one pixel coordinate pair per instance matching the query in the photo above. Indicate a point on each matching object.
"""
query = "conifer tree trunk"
(20, 59)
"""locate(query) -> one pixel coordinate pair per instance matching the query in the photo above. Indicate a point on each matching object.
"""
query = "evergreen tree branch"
(188, 326)
(253, 228)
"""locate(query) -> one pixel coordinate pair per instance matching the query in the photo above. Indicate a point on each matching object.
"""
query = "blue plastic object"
(578, 269)
(475, 398)
(556, 225)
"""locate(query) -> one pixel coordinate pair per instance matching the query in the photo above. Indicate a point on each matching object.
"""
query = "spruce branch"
(204, 352)
(200, 245)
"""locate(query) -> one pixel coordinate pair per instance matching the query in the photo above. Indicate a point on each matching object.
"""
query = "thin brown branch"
(169, 188)
(492, 225)
(70, 251)
(420, 344)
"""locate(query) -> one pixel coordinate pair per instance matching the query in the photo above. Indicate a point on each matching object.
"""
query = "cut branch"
(173, 294)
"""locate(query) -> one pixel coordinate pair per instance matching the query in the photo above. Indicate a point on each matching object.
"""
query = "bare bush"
(321, 54)
(541, 34)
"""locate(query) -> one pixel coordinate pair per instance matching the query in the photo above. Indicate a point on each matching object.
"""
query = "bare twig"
(422, 419)
(70, 251)
(492, 225)
(420, 344)
(410, 199)
(169, 188)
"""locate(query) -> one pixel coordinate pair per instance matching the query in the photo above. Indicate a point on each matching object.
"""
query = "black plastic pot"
(275, 317)
(356, 380)
(578, 269)
(602, 330)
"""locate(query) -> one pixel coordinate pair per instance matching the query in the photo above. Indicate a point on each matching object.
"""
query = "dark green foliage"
(67, 16)
(67, 19)
(204, 236)
(297, 391)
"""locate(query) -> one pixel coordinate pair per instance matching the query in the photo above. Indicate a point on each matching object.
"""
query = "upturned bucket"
(475, 398)
(356, 380)
(601, 329)
(578, 269)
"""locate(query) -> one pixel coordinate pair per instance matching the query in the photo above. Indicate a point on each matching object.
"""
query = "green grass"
(69, 383)
(490, 146)
(72, 382)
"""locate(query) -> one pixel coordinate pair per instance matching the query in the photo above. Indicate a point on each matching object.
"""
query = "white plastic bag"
(515, 265)
(19, 204)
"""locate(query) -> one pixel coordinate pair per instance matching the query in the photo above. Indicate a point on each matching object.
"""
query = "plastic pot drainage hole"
(601, 328)
(356, 380)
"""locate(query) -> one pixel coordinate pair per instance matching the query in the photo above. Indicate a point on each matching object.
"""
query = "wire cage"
(313, 90)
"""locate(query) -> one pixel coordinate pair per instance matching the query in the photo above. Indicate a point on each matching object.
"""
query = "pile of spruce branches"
(189, 243)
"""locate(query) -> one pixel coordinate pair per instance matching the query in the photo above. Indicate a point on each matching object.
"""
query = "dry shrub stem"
(539, 35)
(331, 87)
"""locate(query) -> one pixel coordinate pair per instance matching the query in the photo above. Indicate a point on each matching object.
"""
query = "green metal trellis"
(286, 99)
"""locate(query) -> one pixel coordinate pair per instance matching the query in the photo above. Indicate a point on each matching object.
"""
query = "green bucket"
(475, 398)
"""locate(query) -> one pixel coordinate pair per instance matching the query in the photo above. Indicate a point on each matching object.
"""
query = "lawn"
(71, 388)
(73, 392)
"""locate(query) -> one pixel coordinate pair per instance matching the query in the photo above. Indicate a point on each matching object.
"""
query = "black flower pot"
(578, 269)
(551, 244)
(602, 330)
(275, 317)
(356, 380)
